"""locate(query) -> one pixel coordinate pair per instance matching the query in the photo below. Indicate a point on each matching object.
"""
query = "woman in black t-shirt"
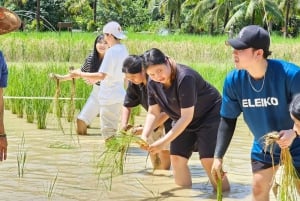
(136, 94)
(192, 103)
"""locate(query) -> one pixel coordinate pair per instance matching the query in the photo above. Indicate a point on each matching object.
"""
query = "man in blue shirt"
(262, 90)
(9, 21)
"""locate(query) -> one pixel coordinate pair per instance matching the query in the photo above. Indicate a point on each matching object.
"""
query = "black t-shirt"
(87, 66)
(187, 89)
(135, 95)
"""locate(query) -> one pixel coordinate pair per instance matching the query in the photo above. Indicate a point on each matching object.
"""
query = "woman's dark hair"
(153, 57)
(133, 64)
(96, 60)
(295, 107)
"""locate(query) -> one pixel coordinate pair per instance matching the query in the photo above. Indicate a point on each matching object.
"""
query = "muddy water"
(62, 167)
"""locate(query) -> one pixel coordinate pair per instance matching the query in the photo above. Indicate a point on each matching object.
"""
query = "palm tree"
(174, 11)
(95, 11)
(262, 12)
(288, 7)
(233, 13)
(170, 8)
(38, 10)
(210, 13)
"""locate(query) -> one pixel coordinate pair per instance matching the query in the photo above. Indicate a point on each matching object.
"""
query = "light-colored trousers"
(110, 116)
(91, 108)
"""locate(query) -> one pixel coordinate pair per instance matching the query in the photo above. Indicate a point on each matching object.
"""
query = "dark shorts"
(204, 138)
(258, 165)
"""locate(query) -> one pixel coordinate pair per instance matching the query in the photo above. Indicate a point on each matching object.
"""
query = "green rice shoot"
(219, 190)
(21, 157)
(51, 187)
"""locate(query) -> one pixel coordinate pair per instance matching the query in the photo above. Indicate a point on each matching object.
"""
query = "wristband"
(2, 135)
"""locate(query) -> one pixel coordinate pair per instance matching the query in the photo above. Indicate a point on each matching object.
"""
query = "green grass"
(52, 47)
(32, 80)
(32, 56)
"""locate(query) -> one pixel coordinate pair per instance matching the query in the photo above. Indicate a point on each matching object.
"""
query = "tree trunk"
(226, 19)
(170, 20)
(286, 21)
(211, 28)
(95, 10)
(38, 15)
(253, 17)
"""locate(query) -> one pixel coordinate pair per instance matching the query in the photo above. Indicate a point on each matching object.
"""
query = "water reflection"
(69, 174)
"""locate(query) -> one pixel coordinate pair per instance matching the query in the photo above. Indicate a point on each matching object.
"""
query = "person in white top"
(111, 91)
(92, 64)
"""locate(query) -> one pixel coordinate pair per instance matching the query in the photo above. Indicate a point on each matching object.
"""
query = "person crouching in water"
(193, 104)
(136, 94)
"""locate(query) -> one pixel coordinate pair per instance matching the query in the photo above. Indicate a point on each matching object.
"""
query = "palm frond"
(236, 17)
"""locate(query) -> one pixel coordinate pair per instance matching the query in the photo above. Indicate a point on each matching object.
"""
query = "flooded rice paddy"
(62, 168)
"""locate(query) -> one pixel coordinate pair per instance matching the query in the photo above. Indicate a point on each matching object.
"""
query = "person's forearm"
(225, 133)
(125, 116)
(149, 125)
(177, 129)
(60, 77)
(95, 76)
(2, 130)
(64, 77)
(161, 119)
(151, 119)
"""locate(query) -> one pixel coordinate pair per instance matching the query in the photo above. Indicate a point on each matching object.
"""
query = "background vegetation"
(183, 16)
(32, 56)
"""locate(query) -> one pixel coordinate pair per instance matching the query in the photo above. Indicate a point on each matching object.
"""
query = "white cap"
(115, 29)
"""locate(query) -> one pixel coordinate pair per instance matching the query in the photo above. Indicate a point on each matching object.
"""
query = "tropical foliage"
(188, 16)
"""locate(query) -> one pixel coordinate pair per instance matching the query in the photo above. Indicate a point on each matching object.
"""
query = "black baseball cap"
(252, 36)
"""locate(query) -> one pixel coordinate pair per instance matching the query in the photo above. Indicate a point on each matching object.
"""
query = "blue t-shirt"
(3, 71)
(267, 110)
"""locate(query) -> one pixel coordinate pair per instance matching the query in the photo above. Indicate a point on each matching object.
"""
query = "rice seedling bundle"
(58, 105)
(287, 187)
(112, 160)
